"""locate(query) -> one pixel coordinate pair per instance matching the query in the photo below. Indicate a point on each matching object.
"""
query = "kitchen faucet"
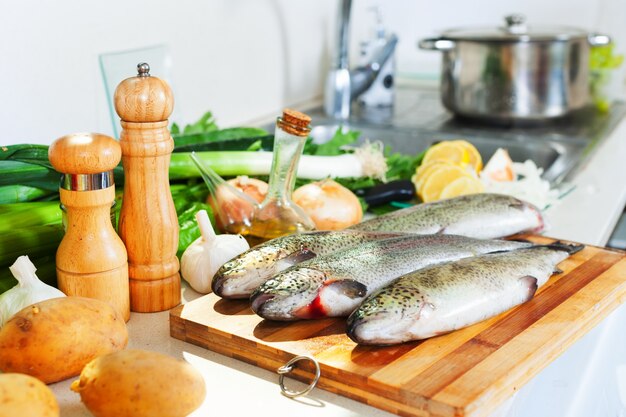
(344, 85)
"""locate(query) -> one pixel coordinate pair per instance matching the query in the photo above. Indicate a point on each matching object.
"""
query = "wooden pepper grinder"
(91, 259)
(148, 224)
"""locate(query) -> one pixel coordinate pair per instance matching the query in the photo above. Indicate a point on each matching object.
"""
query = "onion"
(232, 209)
(330, 205)
(256, 189)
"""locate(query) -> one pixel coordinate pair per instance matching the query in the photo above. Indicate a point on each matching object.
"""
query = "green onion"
(366, 161)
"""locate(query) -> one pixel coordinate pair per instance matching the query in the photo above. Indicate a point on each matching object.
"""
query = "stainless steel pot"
(515, 72)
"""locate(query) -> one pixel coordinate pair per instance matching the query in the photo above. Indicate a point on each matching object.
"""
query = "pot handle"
(598, 39)
(436, 44)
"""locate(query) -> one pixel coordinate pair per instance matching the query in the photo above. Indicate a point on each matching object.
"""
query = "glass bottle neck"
(287, 151)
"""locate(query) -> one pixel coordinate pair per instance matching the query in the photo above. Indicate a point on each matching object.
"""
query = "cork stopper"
(295, 122)
(84, 153)
(143, 98)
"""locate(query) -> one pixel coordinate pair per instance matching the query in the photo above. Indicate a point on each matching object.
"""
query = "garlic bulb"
(208, 253)
(29, 290)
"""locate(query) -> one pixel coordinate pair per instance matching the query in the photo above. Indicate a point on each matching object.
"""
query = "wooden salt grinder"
(148, 223)
(91, 259)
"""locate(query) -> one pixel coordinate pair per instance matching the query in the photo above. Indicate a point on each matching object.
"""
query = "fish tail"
(569, 247)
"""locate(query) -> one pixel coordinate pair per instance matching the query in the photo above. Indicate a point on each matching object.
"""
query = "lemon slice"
(424, 170)
(447, 151)
(462, 186)
(439, 179)
(475, 160)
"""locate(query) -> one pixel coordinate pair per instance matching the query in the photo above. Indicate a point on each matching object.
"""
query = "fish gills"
(240, 276)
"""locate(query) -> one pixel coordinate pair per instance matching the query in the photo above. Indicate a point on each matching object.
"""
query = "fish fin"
(557, 270)
(563, 246)
(304, 254)
(349, 287)
(518, 204)
(521, 240)
(531, 283)
(441, 231)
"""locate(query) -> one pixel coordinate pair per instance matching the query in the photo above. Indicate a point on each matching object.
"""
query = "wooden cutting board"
(468, 372)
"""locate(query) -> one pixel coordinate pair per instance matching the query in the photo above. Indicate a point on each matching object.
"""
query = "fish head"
(388, 317)
(533, 217)
(240, 276)
(289, 294)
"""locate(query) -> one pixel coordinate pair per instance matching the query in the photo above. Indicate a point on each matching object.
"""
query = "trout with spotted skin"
(241, 275)
(334, 285)
(449, 296)
(485, 216)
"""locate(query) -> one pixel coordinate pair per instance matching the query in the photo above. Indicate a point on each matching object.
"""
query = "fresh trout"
(241, 275)
(335, 285)
(484, 216)
(442, 298)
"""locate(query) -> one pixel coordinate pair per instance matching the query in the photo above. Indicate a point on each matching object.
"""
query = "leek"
(20, 193)
(18, 172)
(36, 241)
(29, 214)
(366, 161)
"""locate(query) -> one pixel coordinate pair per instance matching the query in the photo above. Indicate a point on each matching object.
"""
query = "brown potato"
(54, 339)
(140, 383)
(24, 396)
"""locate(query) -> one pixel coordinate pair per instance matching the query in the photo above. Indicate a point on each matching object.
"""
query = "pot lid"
(516, 29)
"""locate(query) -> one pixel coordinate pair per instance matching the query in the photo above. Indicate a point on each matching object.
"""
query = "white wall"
(243, 59)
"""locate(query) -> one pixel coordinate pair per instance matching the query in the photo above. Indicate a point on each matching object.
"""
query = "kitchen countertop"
(587, 380)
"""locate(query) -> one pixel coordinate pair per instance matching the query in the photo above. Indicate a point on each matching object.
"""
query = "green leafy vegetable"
(206, 123)
(260, 140)
(224, 135)
(357, 183)
(335, 146)
(189, 230)
(402, 166)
